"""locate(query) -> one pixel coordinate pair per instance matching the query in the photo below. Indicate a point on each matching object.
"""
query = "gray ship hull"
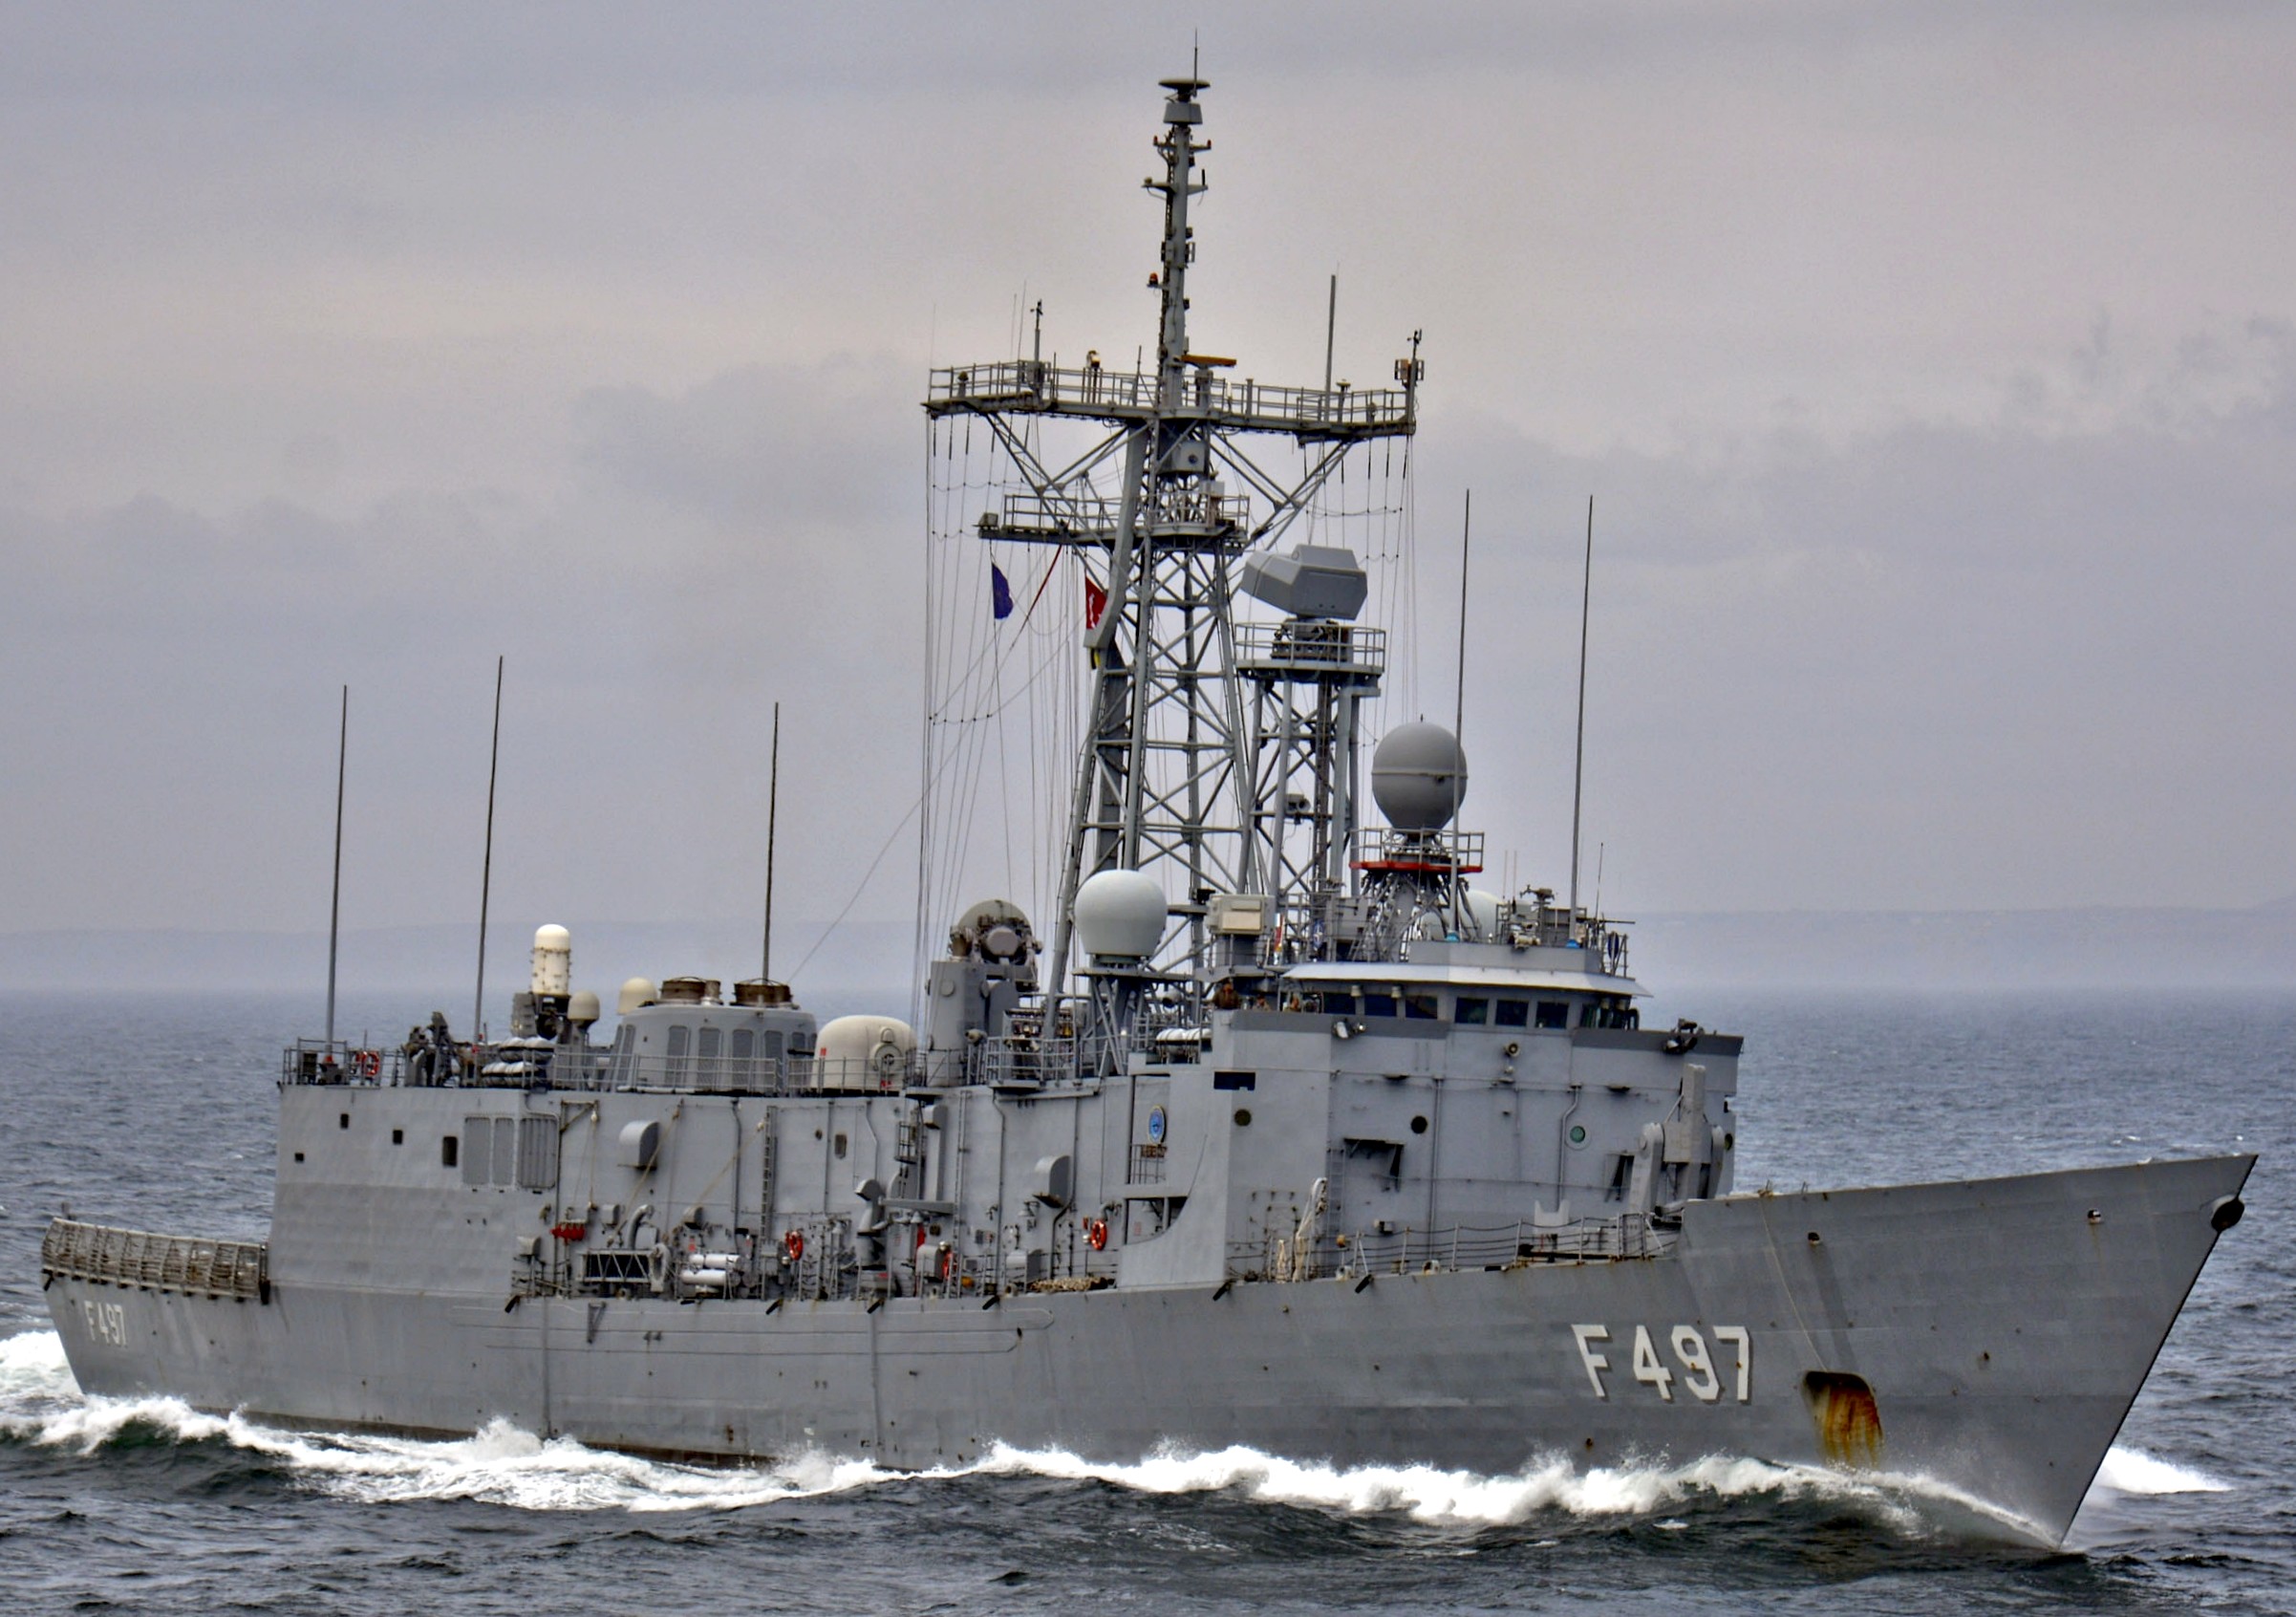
(1987, 1335)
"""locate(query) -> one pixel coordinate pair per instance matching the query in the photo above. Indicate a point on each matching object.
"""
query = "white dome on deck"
(1119, 914)
(1418, 777)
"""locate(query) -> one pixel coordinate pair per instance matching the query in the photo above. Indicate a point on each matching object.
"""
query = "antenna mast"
(494, 756)
(335, 908)
(1169, 500)
(1466, 524)
(1331, 329)
(1586, 595)
(773, 806)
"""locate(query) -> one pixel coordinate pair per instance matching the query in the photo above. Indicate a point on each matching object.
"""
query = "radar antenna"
(1166, 775)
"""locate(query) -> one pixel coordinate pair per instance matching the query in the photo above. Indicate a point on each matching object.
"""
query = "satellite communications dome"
(1418, 777)
(1119, 914)
(636, 994)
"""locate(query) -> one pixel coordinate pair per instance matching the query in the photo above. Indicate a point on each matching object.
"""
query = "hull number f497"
(1700, 1375)
(106, 1322)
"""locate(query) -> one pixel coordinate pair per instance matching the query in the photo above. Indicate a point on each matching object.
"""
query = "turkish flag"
(1096, 602)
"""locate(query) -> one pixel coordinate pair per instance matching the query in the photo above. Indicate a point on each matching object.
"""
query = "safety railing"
(538, 1064)
(164, 1263)
(1039, 385)
(1311, 649)
(1456, 1247)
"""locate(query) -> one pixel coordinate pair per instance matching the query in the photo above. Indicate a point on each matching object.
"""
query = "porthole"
(1579, 1134)
(1243, 1117)
(1419, 1125)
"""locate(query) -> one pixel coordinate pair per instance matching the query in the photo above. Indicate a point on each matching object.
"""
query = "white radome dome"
(1119, 914)
(1418, 777)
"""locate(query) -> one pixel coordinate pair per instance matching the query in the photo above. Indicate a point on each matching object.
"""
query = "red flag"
(1096, 602)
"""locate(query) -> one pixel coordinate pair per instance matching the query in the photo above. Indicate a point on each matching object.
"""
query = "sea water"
(159, 1112)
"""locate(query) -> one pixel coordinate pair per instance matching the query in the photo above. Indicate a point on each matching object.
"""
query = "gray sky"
(1934, 370)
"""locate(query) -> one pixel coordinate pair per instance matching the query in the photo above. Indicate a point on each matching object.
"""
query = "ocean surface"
(158, 1112)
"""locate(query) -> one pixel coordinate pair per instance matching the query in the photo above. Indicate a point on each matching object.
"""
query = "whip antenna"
(1586, 593)
(335, 908)
(1467, 520)
(477, 1003)
(773, 804)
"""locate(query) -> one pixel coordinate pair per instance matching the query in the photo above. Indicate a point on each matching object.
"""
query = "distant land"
(867, 966)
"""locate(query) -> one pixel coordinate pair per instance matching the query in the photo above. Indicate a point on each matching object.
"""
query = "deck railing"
(1452, 1247)
(1241, 402)
(164, 1263)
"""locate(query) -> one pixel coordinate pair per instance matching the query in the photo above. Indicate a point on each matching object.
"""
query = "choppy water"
(160, 1113)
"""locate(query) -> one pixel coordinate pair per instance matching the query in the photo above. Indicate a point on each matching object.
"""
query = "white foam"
(2132, 1471)
(39, 1402)
(1464, 1498)
(33, 1364)
(504, 1465)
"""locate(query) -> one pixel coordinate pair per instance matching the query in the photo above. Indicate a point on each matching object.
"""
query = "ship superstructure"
(1289, 1134)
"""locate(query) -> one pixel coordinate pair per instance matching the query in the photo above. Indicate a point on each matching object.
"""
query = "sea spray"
(504, 1465)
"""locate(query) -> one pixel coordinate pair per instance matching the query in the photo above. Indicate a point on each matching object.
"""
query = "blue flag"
(1000, 592)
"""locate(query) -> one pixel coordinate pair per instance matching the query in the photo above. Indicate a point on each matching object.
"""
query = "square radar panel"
(1312, 581)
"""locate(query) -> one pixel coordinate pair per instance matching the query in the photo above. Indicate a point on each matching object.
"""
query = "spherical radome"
(1119, 914)
(1418, 777)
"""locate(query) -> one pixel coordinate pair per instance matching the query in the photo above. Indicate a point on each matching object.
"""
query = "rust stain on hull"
(1849, 1422)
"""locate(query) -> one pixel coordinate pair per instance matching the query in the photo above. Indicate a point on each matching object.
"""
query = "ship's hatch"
(1849, 1423)
(1381, 1160)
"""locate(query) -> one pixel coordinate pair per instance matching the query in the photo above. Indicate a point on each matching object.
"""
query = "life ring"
(369, 1062)
(1097, 1233)
(793, 1246)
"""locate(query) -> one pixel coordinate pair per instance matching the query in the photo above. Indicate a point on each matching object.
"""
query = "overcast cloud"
(1934, 372)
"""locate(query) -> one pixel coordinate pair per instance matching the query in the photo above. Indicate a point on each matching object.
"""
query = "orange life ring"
(794, 1244)
(369, 1062)
(1097, 1233)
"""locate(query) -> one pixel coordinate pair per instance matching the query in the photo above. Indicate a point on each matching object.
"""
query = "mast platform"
(1125, 399)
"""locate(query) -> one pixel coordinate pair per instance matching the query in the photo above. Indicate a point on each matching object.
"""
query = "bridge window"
(1555, 1013)
(1514, 1013)
(1378, 1004)
(1422, 1007)
(1472, 1013)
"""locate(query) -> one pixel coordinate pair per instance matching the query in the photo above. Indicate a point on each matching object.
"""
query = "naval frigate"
(1288, 1135)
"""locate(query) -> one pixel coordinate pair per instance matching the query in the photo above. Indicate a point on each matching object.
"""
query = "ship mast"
(1166, 777)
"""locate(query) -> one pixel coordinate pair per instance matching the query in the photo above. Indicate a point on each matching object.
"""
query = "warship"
(1288, 1135)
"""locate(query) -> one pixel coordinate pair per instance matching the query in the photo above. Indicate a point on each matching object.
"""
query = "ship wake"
(41, 1406)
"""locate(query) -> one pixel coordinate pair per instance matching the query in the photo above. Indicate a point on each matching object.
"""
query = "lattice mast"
(1166, 778)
